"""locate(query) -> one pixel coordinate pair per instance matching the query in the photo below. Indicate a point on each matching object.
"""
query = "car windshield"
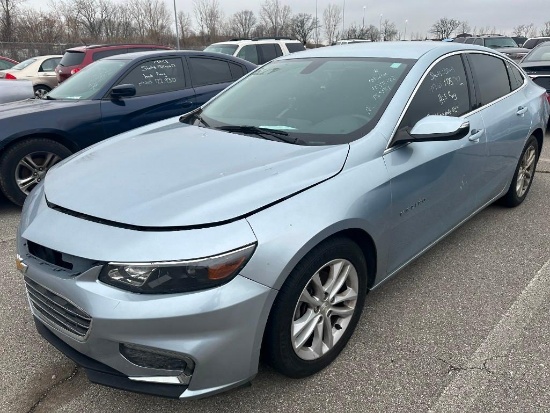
(496, 42)
(23, 64)
(222, 48)
(539, 53)
(87, 82)
(316, 101)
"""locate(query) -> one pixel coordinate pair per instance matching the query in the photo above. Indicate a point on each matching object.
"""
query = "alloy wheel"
(526, 171)
(32, 169)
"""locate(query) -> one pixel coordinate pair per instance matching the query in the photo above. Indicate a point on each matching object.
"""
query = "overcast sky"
(504, 15)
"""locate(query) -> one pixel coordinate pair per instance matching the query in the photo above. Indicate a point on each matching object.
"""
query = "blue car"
(111, 96)
(166, 259)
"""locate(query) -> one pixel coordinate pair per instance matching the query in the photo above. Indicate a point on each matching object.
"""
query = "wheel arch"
(539, 135)
(52, 135)
(41, 85)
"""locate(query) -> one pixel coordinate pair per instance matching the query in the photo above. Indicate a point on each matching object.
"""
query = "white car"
(258, 50)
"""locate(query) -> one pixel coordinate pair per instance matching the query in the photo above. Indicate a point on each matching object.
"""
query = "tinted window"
(469, 40)
(496, 42)
(516, 78)
(529, 44)
(237, 71)
(491, 76)
(72, 58)
(156, 76)
(222, 48)
(444, 91)
(249, 53)
(107, 53)
(478, 42)
(206, 71)
(295, 47)
(4, 64)
(269, 51)
(49, 65)
(459, 40)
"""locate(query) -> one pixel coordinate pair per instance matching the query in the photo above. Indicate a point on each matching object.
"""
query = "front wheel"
(40, 91)
(25, 164)
(317, 309)
(524, 174)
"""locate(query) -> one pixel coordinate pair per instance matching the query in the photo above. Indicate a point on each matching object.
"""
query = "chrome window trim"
(439, 59)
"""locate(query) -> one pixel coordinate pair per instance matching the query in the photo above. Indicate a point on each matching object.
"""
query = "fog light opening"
(159, 359)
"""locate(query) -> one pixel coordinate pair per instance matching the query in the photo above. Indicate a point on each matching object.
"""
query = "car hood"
(175, 175)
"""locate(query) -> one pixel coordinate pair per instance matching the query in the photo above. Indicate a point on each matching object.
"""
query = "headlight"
(170, 277)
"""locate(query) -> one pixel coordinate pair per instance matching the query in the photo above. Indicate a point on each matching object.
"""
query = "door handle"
(186, 104)
(521, 110)
(475, 135)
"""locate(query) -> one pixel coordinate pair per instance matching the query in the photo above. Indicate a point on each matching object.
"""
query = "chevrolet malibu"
(167, 259)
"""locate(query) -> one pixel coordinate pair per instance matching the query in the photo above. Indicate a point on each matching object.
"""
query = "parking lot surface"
(462, 329)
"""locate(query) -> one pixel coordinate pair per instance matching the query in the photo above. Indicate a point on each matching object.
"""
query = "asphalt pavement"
(465, 328)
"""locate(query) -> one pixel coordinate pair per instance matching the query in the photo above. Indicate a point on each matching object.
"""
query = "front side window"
(249, 53)
(90, 80)
(156, 76)
(479, 42)
(318, 101)
(205, 71)
(444, 91)
(295, 47)
(49, 65)
(491, 77)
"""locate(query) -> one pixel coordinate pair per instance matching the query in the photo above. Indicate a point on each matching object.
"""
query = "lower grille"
(58, 311)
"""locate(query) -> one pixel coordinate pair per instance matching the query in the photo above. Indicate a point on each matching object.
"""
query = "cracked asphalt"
(465, 328)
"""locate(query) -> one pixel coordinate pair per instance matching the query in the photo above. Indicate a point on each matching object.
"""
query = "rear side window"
(106, 53)
(516, 78)
(491, 76)
(269, 51)
(156, 76)
(49, 65)
(444, 91)
(205, 71)
(295, 47)
(72, 58)
(237, 71)
(250, 53)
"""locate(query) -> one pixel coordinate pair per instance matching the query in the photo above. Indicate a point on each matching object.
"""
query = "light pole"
(364, 11)
(343, 17)
(177, 31)
(316, 26)
(380, 28)
(405, 36)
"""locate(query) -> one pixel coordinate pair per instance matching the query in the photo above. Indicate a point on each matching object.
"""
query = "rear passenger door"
(209, 76)
(163, 90)
(504, 108)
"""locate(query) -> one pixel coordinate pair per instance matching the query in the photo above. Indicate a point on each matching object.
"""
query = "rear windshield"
(496, 42)
(23, 64)
(72, 58)
(222, 48)
(539, 53)
(295, 47)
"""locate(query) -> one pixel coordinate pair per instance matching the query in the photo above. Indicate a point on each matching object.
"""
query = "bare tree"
(208, 16)
(444, 27)
(242, 23)
(39, 27)
(8, 10)
(332, 17)
(545, 31)
(185, 28)
(464, 27)
(389, 31)
(276, 17)
(302, 26)
(371, 33)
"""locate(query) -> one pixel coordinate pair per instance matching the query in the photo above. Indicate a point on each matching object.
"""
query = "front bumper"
(219, 329)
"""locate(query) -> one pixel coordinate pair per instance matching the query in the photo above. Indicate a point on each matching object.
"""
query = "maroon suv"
(79, 57)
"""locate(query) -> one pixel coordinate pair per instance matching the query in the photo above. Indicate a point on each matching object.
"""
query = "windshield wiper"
(265, 133)
(194, 114)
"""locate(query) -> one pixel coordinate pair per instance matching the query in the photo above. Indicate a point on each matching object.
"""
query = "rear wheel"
(524, 174)
(317, 309)
(24, 165)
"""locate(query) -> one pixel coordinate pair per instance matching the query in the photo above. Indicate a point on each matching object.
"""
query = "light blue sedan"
(165, 259)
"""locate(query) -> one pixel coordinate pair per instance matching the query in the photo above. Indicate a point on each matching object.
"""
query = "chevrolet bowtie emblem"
(21, 266)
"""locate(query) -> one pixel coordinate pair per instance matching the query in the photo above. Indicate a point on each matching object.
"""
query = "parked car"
(520, 40)
(535, 41)
(111, 96)
(11, 91)
(503, 44)
(258, 50)
(537, 65)
(348, 41)
(6, 63)
(39, 70)
(76, 58)
(165, 259)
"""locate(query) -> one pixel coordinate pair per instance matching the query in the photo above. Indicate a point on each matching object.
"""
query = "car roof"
(114, 46)
(258, 40)
(176, 53)
(402, 50)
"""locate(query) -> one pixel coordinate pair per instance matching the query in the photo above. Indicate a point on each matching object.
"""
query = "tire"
(524, 174)
(311, 349)
(24, 164)
(40, 91)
